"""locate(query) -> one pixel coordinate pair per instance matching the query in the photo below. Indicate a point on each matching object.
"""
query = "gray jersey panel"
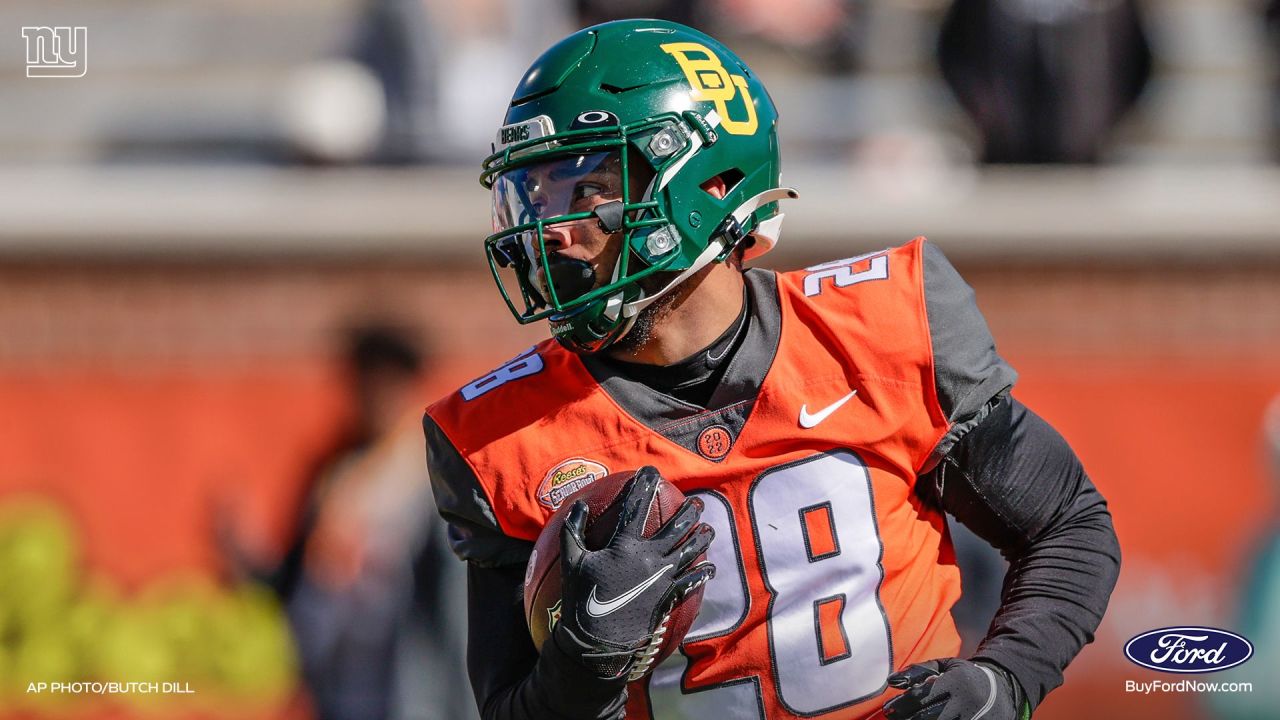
(474, 534)
(970, 375)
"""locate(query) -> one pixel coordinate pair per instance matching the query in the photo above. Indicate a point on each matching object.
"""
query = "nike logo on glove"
(808, 421)
(598, 608)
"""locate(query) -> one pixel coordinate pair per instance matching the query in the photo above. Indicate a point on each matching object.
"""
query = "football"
(542, 576)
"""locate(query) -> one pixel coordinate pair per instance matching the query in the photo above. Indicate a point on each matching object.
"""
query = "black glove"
(616, 601)
(953, 689)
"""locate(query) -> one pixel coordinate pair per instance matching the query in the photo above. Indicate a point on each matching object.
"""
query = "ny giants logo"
(57, 52)
(1188, 649)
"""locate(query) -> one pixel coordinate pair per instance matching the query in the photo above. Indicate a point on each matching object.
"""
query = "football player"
(823, 420)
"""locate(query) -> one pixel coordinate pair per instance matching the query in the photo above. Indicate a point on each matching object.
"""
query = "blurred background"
(242, 252)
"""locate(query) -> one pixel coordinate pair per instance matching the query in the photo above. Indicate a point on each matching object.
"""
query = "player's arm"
(1016, 483)
(1007, 475)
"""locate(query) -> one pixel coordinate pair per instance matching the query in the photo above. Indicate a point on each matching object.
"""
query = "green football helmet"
(620, 126)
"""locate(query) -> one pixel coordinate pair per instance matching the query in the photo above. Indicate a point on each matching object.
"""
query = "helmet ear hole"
(719, 186)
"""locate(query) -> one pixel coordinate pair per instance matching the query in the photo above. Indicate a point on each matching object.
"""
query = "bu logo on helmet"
(712, 83)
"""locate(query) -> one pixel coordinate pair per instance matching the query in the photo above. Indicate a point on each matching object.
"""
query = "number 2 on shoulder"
(846, 272)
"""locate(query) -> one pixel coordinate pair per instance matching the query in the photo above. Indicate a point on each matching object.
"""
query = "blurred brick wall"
(230, 314)
(225, 314)
(1185, 310)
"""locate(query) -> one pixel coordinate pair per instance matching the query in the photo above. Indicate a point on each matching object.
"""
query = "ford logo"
(1188, 649)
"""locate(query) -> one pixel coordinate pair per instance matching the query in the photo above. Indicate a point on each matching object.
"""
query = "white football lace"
(644, 658)
(647, 654)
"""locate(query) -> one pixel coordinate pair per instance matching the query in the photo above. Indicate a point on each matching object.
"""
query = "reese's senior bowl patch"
(568, 478)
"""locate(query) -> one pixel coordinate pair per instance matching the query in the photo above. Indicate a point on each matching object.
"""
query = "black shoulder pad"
(474, 532)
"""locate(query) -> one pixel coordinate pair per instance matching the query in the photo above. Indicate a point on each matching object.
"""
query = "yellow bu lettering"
(712, 83)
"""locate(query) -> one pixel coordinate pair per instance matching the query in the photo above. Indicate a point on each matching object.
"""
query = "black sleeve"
(474, 533)
(1016, 483)
(510, 679)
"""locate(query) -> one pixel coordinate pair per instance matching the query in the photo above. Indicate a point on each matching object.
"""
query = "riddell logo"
(568, 478)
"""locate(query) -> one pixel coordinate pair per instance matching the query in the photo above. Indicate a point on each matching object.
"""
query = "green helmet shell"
(666, 95)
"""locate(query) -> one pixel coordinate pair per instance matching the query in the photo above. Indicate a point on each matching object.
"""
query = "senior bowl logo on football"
(568, 478)
(1188, 649)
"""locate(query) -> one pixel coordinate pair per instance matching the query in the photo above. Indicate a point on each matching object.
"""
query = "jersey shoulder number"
(846, 272)
(523, 365)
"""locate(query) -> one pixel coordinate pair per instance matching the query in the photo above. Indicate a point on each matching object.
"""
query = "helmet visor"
(557, 187)
(564, 193)
(569, 199)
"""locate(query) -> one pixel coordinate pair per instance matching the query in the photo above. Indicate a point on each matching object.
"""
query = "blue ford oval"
(1188, 649)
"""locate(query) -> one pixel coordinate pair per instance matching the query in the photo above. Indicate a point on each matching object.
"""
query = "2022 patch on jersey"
(854, 376)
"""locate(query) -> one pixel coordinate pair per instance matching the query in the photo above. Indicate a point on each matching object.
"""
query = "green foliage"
(229, 645)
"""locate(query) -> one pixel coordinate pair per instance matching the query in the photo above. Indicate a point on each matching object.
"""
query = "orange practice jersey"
(831, 572)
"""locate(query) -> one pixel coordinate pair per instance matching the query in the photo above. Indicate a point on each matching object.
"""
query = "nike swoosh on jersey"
(599, 608)
(807, 421)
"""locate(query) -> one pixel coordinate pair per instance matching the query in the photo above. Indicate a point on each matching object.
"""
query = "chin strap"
(714, 248)
(766, 236)
(719, 243)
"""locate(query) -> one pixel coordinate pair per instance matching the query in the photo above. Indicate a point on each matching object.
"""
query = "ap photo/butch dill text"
(111, 688)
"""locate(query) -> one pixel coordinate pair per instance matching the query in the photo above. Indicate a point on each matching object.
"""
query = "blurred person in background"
(694, 13)
(1273, 26)
(826, 33)
(823, 32)
(1258, 617)
(375, 601)
(477, 50)
(410, 77)
(396, 40)
(1045, 81)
